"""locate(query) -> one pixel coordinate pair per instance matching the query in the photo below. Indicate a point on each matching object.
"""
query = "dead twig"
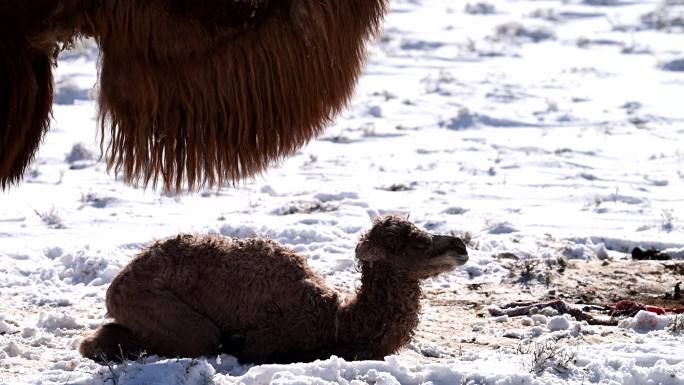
(521, 309)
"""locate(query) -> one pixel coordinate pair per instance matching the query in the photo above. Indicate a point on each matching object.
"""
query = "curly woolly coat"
(191, 91)
(190, 296)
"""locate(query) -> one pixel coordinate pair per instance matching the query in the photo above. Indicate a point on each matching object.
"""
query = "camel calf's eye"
(422, 243)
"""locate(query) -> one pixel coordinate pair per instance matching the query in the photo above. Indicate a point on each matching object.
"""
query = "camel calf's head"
(395, 241)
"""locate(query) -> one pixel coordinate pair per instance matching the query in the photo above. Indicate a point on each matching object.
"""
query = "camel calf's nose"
(448, 244)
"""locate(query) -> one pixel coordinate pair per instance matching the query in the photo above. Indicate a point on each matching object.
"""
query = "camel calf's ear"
(378, 243)
(368, 251)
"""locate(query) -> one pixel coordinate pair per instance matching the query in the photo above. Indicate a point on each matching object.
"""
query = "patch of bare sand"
(455, 321)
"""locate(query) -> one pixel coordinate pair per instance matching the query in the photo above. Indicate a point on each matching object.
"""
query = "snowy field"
(544, 130)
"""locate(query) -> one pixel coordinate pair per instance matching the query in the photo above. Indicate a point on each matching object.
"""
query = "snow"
(52, 322)
(472, 369)
(6, 328)
(540, 128)
(558, 323)
(538, 318)
(645, 321)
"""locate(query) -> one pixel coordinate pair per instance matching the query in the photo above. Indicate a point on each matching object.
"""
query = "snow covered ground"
(538, 128)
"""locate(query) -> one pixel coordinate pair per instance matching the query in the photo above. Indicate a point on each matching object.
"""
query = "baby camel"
(202, 295)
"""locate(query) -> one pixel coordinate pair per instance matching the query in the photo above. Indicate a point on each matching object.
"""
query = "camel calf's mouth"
(445, 262)
(451, 258)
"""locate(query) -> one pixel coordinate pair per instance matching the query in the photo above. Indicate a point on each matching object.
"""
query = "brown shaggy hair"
(25, 87)
(190, 296)
(203, 92)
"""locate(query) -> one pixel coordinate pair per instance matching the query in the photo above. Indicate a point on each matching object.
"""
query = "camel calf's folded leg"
(160, 322)
(111, 342)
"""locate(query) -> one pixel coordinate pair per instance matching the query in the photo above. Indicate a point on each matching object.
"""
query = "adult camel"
(192, 92)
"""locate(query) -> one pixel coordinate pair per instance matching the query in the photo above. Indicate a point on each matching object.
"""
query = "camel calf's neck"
(384, 314)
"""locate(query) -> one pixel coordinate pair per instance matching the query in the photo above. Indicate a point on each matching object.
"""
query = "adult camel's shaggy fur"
(190, 296)
(196, 91)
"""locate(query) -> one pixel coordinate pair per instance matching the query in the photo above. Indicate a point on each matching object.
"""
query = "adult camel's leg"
(25, 87)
